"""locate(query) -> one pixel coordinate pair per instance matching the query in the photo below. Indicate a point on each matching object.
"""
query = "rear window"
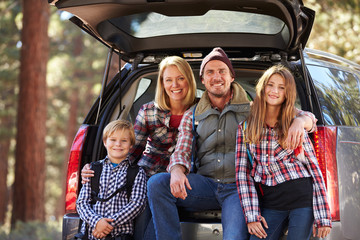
(214, 21)
(339, 95)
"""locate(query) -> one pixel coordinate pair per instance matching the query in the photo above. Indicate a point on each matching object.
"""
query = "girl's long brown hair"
(256, 119)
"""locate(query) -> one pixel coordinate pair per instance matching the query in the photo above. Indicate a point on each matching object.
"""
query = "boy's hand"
(256, 228)
(103, 228)
(86, 174)
(322, 232)
(97, 234)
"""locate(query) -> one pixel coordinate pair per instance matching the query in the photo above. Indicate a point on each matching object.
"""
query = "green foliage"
(9, 70)
(336, 28)
(76, 63)
(33, 231)
(350, 5)
(9, 65)
(66, 72)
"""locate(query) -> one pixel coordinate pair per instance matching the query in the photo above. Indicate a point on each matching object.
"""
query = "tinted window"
(339, 95)
(143, 86)
(214, 21)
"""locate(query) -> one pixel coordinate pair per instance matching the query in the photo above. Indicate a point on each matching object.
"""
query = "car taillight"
(325, 148)
(72, 178)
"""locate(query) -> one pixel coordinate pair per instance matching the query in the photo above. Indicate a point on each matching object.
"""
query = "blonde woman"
(156, 127)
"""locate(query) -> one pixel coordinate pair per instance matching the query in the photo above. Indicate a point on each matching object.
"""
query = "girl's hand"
(256, 228)
(322, 232)
(86, 174)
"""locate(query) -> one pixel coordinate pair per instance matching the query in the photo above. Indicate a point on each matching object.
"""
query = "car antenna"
(104, 81)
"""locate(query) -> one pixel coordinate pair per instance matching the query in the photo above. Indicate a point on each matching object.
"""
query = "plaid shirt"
(182, 155)
(155, 139)
(273, 165)
(118, 207)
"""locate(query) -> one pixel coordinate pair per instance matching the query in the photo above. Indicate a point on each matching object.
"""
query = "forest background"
(46, 56)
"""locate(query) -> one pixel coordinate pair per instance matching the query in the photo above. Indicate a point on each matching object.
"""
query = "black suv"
(255, 34)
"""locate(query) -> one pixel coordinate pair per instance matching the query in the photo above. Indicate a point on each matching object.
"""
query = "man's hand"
(256, 228)
(296, 133)
(86, 174)
(322, 232)
(103, 228)
(178, 181)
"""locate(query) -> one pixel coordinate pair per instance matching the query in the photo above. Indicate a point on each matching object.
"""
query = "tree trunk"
(29, 184)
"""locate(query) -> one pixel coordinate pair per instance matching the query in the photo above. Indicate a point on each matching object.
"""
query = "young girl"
(287, 184)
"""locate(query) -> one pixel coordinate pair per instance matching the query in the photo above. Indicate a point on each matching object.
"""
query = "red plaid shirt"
(155, 139)
(273, 165)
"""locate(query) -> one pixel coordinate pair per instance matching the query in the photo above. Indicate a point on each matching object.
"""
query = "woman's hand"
(178, 182)
(256, 228)
(86, 174)
(322, 232)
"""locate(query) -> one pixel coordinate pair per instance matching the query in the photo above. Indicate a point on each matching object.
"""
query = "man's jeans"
(206, 194)
(300, 221)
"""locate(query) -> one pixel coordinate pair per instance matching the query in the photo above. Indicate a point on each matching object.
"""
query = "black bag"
(131, 173)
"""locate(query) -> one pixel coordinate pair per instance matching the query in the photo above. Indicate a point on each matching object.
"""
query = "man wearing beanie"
(222, 107)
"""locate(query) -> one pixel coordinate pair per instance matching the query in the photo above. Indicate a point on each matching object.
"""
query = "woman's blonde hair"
(256, 119)
(119, 125)
(161, 97)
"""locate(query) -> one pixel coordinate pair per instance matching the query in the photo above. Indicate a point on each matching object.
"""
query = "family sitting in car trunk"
(254, 161)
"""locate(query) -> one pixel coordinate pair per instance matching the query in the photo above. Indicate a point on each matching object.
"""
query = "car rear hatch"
(190, 28)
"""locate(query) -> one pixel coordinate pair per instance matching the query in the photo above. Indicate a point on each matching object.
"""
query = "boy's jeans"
(299, 220)
(144, 227)
(206, 194)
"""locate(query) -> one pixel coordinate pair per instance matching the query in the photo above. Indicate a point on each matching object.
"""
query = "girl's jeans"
(299, 221)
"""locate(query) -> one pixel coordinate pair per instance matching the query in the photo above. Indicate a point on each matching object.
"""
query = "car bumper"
(71, 226)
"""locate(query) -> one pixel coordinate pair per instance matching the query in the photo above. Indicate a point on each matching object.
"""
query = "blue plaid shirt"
(155, 139)
(273, 165)
(118, 208)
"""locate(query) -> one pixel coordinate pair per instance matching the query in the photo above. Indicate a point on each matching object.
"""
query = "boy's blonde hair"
(119, 125)
(161, 97)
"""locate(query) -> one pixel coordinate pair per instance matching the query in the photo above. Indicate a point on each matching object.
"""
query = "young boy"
(113, 219)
